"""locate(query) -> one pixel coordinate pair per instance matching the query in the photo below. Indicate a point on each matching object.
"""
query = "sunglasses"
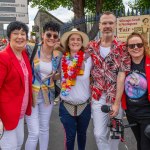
(138, 45)
(49, 35)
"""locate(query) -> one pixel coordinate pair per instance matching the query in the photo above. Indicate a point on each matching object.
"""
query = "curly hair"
(53, 26)
(144, 41)
(17, 25)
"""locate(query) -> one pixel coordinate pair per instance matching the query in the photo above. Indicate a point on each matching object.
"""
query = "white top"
(45, 68)
(81, 91)
(104, 51)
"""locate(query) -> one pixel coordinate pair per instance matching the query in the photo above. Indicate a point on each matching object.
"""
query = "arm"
(119, 92)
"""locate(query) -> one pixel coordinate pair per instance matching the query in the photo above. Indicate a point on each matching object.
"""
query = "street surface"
(57, 133)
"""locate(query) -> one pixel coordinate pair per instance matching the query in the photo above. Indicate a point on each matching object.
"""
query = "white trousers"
(38, 126)
(13, 139)
(100, 122)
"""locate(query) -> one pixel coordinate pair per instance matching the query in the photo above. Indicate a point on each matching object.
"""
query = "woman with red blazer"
(136, 99)
(15, 86)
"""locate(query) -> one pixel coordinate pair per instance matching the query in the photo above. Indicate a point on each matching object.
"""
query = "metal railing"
(89, 20)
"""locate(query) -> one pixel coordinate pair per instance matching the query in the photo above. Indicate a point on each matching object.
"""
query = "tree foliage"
(89, 5)
(81, 8)
(140, 4)
(113, 5)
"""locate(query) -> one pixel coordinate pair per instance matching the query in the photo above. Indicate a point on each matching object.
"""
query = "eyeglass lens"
(132, 46)
(49, 35)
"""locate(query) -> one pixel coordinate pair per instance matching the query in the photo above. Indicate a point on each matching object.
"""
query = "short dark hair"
(17, 25)
(145, 19)
(108, 13)
(53, 26)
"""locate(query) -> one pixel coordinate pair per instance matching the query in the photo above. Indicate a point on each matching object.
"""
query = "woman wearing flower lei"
(75, 111)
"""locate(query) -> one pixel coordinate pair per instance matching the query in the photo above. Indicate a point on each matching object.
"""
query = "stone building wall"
(42, 17)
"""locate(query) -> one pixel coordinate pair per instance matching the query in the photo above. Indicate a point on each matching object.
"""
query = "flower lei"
(70, 69)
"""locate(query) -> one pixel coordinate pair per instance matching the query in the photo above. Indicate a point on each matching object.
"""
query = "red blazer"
(12, 88)
(147, 72)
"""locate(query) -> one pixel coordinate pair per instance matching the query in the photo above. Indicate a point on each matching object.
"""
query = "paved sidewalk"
(56, 135)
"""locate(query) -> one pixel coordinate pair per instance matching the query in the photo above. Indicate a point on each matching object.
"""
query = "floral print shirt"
(104, 71)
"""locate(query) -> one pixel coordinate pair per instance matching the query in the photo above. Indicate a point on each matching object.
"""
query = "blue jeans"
(75, 124)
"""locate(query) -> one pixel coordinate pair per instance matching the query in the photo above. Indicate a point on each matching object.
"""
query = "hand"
(115, 110)
(58, 47)
(57, 76)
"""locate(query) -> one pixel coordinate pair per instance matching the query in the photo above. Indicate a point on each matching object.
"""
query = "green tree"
(81, 8)
(140, 4)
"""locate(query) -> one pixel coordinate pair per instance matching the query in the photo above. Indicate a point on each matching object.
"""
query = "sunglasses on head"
(49, 35)
(138, 45)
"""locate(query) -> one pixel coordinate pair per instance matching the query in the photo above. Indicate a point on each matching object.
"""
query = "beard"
(107, 33)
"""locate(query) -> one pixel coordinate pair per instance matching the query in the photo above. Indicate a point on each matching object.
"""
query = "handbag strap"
(34, 51)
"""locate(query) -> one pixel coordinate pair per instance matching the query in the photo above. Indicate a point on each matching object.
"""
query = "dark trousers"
(73, 125)
(143, 142)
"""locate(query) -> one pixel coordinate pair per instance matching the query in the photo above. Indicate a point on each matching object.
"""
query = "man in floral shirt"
(110, 62)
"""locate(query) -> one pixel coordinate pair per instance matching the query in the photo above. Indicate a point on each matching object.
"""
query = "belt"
(87, 102)
(75, 110)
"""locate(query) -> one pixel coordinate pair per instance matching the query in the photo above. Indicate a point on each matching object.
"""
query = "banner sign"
(127, 25)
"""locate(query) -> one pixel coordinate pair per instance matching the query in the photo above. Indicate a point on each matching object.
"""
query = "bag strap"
(34, 51)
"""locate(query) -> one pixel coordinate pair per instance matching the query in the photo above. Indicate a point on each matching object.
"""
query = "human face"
(107, 25)
(145, 21)
(136, 51)
(18, 39)
(50, 38)
(75, 42)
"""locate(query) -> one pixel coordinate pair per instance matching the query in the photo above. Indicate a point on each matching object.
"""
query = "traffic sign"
(14, 7)
(9, 17)
(13, 10)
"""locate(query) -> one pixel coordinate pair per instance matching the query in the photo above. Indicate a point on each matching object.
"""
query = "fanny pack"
(75, 110)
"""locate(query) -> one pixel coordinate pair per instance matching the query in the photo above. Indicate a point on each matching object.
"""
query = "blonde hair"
(144, 41)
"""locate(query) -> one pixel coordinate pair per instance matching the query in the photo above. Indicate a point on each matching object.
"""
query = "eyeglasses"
(138, 45)
(49, 35)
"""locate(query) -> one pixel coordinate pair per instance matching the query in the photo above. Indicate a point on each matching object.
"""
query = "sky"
(61, 13)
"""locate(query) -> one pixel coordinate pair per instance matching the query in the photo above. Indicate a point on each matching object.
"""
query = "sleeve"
(125, 59)
(90, 47)
(3, 71)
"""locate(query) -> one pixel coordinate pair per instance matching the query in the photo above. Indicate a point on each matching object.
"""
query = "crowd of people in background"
(3, 43)
(91, 74)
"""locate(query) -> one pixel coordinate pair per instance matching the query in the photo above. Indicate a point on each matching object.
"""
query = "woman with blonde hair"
(136, 100)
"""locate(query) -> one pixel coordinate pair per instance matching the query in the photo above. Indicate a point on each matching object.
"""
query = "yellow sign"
(127, 25)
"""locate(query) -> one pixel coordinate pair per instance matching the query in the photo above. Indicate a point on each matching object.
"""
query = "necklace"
(45, 55)
(71, 68)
